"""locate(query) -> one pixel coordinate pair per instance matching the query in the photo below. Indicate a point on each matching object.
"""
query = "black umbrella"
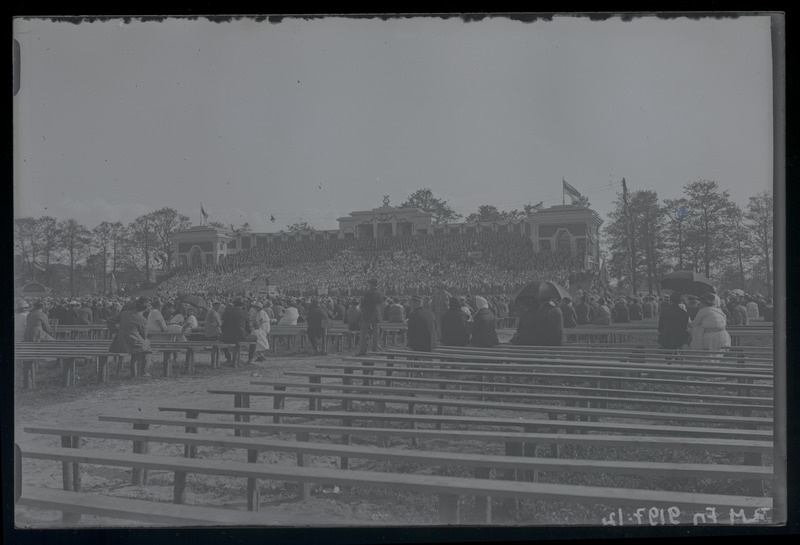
(543, 289)
(687, 282)
(194, 300)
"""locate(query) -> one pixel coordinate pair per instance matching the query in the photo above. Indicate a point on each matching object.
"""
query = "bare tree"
(760, 216)
(165, 222)
(75, 239)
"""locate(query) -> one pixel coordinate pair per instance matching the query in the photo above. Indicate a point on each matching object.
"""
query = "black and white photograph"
(380, 271)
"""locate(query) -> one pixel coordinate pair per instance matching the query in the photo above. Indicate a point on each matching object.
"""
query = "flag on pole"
(113, 283)
(573, 193)
(204, 213)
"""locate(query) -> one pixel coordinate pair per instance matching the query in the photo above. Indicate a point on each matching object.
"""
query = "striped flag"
(573, 193)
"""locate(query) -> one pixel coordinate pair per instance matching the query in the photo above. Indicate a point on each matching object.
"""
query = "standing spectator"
(370, 318)
(212, 329)
(338, 311)
(454, 325)
(353, 317)
(551, 322)
(621, 310)
(484, 333)
(421, 327)
(647, 308)
(20, 320)
(235, 327)
(528, 327)
(673, 324)
(692, 306)
(567, 310)
(131, 337)
(83, 314)
(317, 318)
(439, 303)
(259, 332)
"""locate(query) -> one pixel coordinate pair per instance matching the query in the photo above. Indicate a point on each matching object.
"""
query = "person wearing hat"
(421, 327)
(647, 308)
(484, 332)
(602, 314)
(83, 314)
(259, 332)
(131, 337)
(371, 318)
(634, 309)
(692, 306)
(235, 328)
(395, 313)
(673, 324)
(455, 331)
(621, 312)
(551, 324)
(708, 331)
(317, 318)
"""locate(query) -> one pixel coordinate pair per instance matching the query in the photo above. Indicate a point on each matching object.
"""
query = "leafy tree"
(531, 208)
(707, 235)
(165, 222)
(50, 241)
(143, 241)
(677, 211)
(648, 220)
(102, 242)
(75, 239)
(489, 213)
(424, 200)
(760, 218)
(739, 241)
(26, 244)
(582, 202)
(299, 227)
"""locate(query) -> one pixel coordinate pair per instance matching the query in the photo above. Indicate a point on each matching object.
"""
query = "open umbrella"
(543, 289)
(687, 282)
(194, 300)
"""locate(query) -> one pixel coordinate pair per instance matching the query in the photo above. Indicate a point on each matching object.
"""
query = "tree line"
(70, 257)
(704, 231)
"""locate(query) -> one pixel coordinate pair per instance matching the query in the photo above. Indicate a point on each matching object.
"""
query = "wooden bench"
(449, 489)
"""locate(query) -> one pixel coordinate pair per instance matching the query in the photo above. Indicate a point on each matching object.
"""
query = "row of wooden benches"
(522, 427)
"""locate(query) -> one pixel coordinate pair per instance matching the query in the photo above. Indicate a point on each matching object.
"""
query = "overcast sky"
(309, 120)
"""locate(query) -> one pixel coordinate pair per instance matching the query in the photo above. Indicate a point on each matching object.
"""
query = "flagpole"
(563, 198)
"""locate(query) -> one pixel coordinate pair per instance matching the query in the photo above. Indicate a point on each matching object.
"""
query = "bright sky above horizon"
(307, 120)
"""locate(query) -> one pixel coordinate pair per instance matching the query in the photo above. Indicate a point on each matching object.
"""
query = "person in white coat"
(260, 327)
(708, 331)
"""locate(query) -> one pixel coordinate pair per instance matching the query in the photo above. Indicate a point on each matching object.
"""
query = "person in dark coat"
(454, 325)
(371, 318)
(316, 319)
(484, 333)
(621, 310)
(551, 325)
(647, 308)
(421, 327)
(131, 337)
(634, 309)
(568, 311)
(769, 310)
(692, 306)
(528, 327)
(235, 327)
(673, 324)
(583, 312)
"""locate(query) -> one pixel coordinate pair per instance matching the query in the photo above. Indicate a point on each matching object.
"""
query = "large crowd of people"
(485, 262)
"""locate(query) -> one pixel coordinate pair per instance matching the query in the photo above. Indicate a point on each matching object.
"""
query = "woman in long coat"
(673, 324)
(421, 327)
(708, 327)
(484, 333)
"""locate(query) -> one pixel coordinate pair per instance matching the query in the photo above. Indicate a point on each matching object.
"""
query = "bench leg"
(252, 484)
(189, 451)
(189, 368)
(68, 371)
(70, 475)
(483, 504)
(102, 369)
(139, 475)
(29, 374)
(510, 506)
(302, 461)
(448, 509)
